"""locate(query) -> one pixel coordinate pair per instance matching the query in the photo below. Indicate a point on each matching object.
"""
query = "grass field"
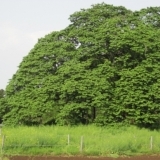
(79, 140)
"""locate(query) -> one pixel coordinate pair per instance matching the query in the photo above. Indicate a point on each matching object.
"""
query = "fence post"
(68, 139)
(1, 129)
(2, 145)
(81, 144)
(151, 143)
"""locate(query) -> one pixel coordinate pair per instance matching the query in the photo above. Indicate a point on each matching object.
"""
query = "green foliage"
(2, 93)
(2, 102)
(103, 68)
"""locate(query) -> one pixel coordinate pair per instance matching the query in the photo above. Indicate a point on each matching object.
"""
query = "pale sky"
(22, 22)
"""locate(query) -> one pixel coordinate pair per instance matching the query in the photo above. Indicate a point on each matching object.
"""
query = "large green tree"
(103, 68)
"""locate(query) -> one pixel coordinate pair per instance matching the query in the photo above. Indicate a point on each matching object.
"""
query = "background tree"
(2, 93)
(2, 110)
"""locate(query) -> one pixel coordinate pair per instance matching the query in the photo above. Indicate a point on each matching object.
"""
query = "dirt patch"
(157, 157)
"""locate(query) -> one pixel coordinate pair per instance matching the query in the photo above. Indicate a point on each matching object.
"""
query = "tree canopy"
(103, 68)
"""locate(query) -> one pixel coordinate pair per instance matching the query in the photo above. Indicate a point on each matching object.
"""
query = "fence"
(84, 144)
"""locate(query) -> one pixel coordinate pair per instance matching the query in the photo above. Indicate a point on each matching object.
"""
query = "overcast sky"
(22, 22)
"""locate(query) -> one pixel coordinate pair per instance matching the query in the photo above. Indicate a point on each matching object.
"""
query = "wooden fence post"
(68, 139)
(151, 143)
(81, 144)
(2, 145)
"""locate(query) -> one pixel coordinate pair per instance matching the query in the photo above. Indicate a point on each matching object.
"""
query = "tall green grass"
(97, 141)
